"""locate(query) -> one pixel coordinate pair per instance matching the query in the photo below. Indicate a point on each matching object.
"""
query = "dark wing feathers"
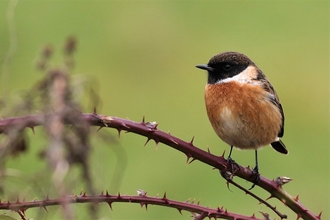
(274, 98)
(277, 145)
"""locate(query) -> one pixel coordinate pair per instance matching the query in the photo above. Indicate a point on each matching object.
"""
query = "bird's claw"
(255, 172)
(232, 164)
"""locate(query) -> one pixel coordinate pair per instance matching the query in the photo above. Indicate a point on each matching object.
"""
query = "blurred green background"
(141, 57)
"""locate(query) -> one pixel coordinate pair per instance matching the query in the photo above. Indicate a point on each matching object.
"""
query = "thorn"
(94, 111)
(180, 210)
(192, 201)
(99, 128)
(124, 125)
(208, 150)
(296, 198)
(188, 158)
(265, 215)
(118, 196)
(298, 216)
(223, 154)
(47, 198)
(319, 216)
(192, 141)
(102, 194)
(174, 141)
(260, 201)
(198, 202)
(269, 197)
(110, 205)
(227, 183)
(143, 120)
(147, 141)
(63, 205)
(144, 204)
(189, 162)
(119, 130)
(156, 141)
(45, 208)
(32, 128)
(107, 193)
(164, 198)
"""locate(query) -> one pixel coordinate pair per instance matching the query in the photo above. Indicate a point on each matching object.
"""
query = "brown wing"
(273, 98)
(277, 145)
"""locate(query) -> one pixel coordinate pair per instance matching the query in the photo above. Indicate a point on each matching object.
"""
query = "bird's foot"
(232, 164)
(255, 172)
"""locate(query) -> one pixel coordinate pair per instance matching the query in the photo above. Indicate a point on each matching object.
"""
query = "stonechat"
(242, 105)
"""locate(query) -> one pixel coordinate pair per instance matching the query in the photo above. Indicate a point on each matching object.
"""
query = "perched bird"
(242, 105)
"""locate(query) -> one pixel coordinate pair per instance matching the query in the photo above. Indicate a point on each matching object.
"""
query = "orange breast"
(242, 114)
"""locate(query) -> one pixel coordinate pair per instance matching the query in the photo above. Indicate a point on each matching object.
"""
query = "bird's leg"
(255, 171)
(231, 161)
(231, 149)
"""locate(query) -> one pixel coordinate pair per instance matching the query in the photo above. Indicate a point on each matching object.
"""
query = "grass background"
(141, 57)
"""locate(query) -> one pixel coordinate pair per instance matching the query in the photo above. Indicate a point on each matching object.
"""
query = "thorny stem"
(150, 131)
(229, 180)
(22, 206)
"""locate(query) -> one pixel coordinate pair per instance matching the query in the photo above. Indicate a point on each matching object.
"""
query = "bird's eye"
(227, 67)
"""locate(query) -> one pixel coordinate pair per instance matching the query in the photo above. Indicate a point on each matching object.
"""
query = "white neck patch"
(244, 77)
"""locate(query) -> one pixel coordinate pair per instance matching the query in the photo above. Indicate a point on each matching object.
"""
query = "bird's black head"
(225, 65)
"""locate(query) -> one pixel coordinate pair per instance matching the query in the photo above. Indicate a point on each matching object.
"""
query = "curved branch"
(143, 200)
(149, 130)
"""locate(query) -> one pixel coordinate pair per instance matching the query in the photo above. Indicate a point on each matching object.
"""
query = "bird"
(242, 105)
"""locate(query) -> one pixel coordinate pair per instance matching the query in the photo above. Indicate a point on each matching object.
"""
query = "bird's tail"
(279, 147)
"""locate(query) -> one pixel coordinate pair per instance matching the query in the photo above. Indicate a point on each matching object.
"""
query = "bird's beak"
(205, 67)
